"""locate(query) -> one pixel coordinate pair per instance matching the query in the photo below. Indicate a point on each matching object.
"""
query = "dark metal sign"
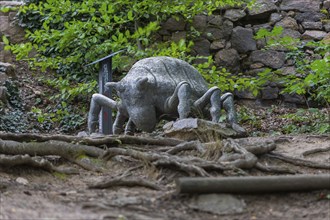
(105, 75)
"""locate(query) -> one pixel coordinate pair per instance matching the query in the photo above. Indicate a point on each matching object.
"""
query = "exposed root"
(236, 156)
(130, 182)
(157, 159)
(314, 151)
(95, 141)
(191, 169)
(17, 160)
(274, 169)
(66, 150)
(298, 162)
(191, 145)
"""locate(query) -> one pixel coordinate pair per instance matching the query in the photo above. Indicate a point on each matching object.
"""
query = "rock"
(201, 47)
(262, 9)
(326, 26)
(288, 23)
(5, 55)
(22, 180)
(293, 98)
(326, 4)
(3, 78)
(8, 69)
(179, 35)
(291, 33)
(269, 92)
(326, 40)
(309, 16)
(244, 94)
(3, 94)
(313, 35)
(234, 14)
(221, 204)
(11, 29)
(266, 26)
(275, 17)
(217, 45)
(199, 22)
(242, 39)
(300, 5)
(222, 32)
(288, 70)
(309, 25)
(215, 21)
(270, 58)
(174, 25)
(10, 3)
(194, 128)
(256, 65)
(228, 58)
(4, 24)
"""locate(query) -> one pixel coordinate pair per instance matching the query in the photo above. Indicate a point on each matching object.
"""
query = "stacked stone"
(9, 28)
(229, 37)
(7, 71)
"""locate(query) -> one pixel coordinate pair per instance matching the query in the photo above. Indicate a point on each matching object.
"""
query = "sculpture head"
(137, 99)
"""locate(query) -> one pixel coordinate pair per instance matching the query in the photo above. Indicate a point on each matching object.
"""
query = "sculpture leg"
(119, 122)
(130, 127)
(212, 96)
(180, 100)
(227, 101)
(97, 102)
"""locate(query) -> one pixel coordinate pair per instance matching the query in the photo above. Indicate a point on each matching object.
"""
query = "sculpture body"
(157, 87)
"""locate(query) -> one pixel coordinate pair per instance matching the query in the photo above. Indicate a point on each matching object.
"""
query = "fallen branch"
(17, 160)
(298, 162)
(255, 184)
(130, 182)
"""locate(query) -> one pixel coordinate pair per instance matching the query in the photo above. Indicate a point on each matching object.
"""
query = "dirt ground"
(30, 193)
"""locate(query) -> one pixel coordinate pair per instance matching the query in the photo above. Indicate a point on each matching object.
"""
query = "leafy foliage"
(278, 120)
(312, 72)
(13, 120)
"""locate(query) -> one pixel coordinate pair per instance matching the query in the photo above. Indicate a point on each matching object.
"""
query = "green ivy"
(313, 81)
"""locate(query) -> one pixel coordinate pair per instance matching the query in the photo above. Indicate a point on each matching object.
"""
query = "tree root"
(92, 141)
(60, 148)
(314, 151)
(236, 156)
(157, 159)
(274, 169)
(17, 160)
(130, 182)
(298, 162)
(191, 145)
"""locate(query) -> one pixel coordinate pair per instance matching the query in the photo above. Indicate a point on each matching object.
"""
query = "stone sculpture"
(161, 87)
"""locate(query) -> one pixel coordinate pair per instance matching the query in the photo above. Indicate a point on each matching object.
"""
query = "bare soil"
(30, 193)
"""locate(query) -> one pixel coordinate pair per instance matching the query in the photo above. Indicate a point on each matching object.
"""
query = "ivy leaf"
(130, 15)
(5, 40)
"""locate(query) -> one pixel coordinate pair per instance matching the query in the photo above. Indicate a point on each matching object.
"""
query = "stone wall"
(228, 35)
(9, 28)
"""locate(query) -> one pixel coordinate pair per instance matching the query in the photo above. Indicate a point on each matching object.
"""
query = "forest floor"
(32, 193)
